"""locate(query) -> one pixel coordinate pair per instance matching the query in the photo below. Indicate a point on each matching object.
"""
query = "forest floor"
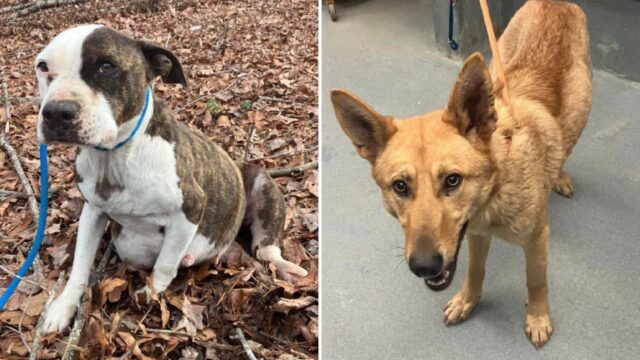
(250, 64)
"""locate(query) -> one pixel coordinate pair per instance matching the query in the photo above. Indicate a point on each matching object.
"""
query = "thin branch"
(247, 144)
(13, 8)
(19, 332)
(266, 98)
(167, 331)
(7, 109)
(295, 171)
(13, 156)
(33, 352)
(80, 320)
(245, 345)
(28, 281)
(291, 153)
(45, 4)
(24, 195)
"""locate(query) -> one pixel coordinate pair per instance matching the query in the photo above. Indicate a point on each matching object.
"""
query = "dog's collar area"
(135, 129)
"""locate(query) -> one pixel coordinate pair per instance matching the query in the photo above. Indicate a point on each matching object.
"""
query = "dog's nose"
(61, 112)
(427, 265)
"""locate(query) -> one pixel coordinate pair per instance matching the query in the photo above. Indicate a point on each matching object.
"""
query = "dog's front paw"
(59, 314)
(563, 185)
(459, 307)
(538, 329)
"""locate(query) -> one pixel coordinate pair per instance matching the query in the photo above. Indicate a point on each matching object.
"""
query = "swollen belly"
(141, 248)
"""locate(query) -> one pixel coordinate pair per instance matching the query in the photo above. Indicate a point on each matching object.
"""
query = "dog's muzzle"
(442, 280)
(60, 121)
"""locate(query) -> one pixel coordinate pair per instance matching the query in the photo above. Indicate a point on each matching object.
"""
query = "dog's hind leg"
(459, 308)
(265, 216)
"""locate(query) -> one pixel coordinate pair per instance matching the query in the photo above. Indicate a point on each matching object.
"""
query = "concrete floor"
(374, 308)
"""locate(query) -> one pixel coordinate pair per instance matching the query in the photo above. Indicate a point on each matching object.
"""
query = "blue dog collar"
(135, 129)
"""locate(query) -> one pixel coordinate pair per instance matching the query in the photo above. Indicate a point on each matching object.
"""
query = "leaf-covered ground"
(248, 62)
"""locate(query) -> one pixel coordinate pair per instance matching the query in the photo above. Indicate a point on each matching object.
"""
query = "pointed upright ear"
(163, 63)
(368, 130)
(470, 107)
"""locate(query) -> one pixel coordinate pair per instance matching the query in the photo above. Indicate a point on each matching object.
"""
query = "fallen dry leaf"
(286, 305)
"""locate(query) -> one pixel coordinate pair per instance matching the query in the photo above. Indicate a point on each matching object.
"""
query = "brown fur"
(213, 191)
(507, 173)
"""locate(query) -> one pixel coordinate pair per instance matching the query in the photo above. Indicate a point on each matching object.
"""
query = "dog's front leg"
(459, 308)
(179, 234)
(90, 231)
(538, 323)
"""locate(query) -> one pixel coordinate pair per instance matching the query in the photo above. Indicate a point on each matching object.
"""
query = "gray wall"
(614, 29)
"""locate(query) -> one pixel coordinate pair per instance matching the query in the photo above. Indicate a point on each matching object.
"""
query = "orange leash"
(497, 60)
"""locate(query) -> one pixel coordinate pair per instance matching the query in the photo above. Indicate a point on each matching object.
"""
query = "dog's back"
(545, 49)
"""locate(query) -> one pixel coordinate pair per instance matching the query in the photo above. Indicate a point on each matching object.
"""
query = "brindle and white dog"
(174, 198)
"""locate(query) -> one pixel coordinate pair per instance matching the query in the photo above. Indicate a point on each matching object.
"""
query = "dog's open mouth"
(444, 279)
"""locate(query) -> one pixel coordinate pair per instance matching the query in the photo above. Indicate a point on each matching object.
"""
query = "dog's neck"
(125, 131)
(106, 164)
(512, 154)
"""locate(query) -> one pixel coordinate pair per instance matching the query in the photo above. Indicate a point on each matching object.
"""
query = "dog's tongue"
(443, 280)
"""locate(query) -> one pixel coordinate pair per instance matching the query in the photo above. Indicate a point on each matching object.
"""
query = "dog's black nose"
(60, 112)
(426, 265)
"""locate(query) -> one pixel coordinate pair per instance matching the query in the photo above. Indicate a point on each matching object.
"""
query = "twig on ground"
(167, 331)
(275, 99)
(291, 153)
(295, 171)
(13, 8)
(80, 319)
(22, 194)
(245, 345)
(247, 144)
(45, 4)
(15, 161)
(33, 352)
(20, 333)
(28, 281)
(5, 96)
(24, 99)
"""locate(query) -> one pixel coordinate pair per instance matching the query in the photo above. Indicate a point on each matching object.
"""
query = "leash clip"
(452, 43)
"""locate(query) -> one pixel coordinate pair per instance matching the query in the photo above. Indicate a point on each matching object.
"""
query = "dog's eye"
(106, 67)
(452, 181)
(42, 66)
(400, 187)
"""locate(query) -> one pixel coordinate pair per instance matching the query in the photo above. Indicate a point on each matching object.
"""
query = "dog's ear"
(470, 107)
(163, 63)
(368, 130)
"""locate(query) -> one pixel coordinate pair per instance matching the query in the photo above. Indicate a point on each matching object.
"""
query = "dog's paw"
(563, 185)
(538, 329)
(459, 308)
(59, 315)
(285, 269)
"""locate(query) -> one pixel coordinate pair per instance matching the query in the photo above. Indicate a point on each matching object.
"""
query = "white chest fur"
(141, 181)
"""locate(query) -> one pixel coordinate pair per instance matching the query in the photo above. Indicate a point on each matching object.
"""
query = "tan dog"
(467, 168)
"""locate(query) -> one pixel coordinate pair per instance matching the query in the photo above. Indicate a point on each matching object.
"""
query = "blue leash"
(44, 197)
(42, 219)
(452, 43)
(135, 129)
